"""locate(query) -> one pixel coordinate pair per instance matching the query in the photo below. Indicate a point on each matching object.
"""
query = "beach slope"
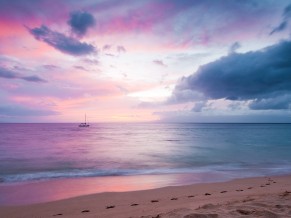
(251, 197)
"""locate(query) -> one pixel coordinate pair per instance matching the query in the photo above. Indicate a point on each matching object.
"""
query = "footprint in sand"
(247, 200)
(244, 212)
(239, 190)
(286, 193)
(223, 192)
(191, 196)
(59, 214)
(207, 194)
(85, 211)
(250, 187)
(134, 205)
(262, 186)
(201, 215)
(154, 201)
(110, 207)
(174, 199)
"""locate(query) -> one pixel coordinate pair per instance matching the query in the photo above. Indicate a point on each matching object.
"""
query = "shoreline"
(32, 192)
(231, 197)
(44, 191)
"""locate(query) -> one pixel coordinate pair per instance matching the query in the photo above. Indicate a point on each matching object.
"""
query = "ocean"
(31, 153)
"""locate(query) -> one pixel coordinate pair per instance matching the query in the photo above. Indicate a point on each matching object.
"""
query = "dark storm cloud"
(9, 74)
(254, 117)
(278, 103)
(261, 76)
(80, 22)
(283, 25)
(280, 28)
(59, 41)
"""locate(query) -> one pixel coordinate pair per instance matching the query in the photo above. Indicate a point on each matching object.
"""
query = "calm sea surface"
(33, 152)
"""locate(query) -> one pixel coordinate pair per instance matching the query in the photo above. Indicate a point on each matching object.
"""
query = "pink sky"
(121, 60)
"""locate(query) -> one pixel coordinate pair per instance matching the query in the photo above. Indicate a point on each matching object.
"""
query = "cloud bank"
(262, 77)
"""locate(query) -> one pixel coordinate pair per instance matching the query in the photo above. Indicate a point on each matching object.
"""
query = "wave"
(231, 171)
(23, 177)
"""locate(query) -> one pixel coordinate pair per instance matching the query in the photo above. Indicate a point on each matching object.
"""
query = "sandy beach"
(251, 197)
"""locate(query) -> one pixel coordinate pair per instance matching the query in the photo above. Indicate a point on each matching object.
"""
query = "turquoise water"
(32, 152)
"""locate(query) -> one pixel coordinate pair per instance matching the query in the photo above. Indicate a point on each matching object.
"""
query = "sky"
(145, 60)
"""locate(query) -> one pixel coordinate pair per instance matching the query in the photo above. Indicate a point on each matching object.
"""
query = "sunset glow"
(134, 61)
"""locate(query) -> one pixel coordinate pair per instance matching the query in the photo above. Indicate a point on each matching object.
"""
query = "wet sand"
(251, 197)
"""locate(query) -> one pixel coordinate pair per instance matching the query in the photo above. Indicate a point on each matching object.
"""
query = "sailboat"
(84, 124)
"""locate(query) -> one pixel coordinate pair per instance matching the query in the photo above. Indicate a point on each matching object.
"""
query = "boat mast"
(85, 119)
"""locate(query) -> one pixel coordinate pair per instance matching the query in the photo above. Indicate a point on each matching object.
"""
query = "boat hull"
(84, 125)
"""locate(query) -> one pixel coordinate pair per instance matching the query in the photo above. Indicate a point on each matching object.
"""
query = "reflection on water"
(45, 191)
(113, 152)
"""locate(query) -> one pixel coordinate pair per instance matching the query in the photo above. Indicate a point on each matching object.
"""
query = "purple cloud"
(120, 49)
(9, 74)
(159, 62)
(59, 41)
(80, 22)
(91, 61)
(108, 54)
(50, 66)
(106, 47)
(32, 79)
(80, 68)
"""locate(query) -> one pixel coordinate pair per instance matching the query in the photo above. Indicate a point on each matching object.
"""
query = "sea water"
(45, 152)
